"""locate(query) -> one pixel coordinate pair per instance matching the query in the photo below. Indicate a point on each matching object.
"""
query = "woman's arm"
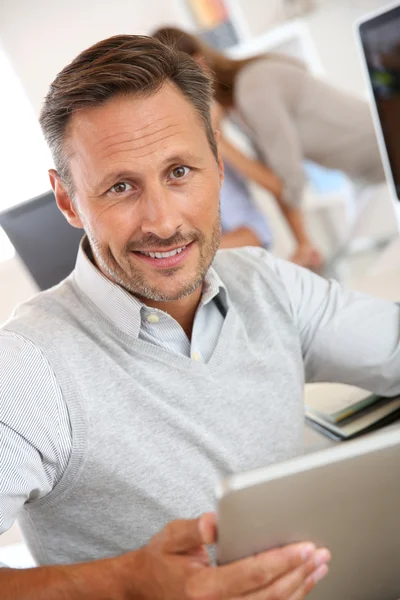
(305, 253)
(250, 168)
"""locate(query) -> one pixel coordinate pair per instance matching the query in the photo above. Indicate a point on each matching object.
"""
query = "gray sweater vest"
(154, 432)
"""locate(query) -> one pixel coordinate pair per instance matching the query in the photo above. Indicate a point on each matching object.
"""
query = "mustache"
(151, 240)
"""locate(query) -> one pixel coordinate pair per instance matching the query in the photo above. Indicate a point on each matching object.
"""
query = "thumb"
(188, 534)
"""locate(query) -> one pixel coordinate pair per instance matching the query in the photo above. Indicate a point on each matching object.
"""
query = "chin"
(171, 293)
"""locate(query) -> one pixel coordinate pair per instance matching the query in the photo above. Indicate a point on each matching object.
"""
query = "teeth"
(163, 254)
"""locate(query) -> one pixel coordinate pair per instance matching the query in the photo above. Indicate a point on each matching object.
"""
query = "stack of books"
(343, 412)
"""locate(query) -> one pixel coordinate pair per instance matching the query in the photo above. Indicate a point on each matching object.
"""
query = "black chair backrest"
(43, 239)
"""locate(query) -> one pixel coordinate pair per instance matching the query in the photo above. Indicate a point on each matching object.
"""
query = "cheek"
(114, 224)
(203, 204)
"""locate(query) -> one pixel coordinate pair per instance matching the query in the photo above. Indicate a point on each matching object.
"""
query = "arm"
(346, 337)
(98, 580)
(242, 224)
(248, 167)
(29, 451)
(174, 564)
(32, 423)
(269, 116)
(251, 168)
(255, 170)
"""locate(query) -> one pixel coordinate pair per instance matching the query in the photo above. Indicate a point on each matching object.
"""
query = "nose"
(161, 214)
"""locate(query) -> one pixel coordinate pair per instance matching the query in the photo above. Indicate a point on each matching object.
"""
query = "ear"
(64, 202)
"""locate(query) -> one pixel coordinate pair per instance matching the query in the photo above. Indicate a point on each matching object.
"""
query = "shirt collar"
(122, 308)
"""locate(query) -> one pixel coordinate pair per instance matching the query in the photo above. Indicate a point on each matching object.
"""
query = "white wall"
(16, 285)
(332, 28)
(41, 36)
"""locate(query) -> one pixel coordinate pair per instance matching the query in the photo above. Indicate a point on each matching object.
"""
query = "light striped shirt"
(35, 430)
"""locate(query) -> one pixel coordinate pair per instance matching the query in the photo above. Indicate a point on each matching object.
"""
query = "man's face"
(146, 191)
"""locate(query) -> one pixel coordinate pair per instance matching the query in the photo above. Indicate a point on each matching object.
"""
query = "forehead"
(134, 128)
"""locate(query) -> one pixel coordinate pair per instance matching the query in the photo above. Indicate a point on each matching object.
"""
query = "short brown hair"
(120, 65)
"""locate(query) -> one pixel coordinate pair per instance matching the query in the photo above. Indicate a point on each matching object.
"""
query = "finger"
(299, 582)
(249, 574)
(315, 577)
(208, 528)
(310, 583)
(296, 584)
(188, 534)
(200, 556)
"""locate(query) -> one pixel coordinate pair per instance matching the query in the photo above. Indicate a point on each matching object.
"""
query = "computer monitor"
(43, 239)
(379, 39)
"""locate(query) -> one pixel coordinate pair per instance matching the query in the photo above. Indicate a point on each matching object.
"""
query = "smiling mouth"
(163, 254)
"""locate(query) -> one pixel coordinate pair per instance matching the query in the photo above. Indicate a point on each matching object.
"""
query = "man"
(131, 388)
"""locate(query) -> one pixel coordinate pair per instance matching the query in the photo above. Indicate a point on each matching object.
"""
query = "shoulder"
(33, 413)
(30, 361)
(27, 383)
(24, 369)
(43, 308)
(248, 270)
(254, 79)
(257, 281)
(253, 275)
(254, 255)
(15, 349)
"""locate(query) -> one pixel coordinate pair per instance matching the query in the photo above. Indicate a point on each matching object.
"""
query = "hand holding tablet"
(345, 498)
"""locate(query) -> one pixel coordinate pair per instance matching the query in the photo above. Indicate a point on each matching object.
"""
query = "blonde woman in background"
(290, 116)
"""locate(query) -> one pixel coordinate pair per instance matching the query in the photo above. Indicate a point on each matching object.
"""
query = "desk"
(383, 281)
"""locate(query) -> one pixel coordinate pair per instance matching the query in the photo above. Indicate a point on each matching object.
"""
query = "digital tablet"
(346, 498)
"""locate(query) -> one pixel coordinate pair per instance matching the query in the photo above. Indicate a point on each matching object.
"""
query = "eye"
(179, 172)
(121, 187)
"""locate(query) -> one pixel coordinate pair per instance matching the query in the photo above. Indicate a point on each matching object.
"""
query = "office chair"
(43, 239)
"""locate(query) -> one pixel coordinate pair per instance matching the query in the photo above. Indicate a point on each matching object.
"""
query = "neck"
(182, 310)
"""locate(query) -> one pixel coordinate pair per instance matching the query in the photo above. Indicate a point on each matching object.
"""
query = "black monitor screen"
(43, 239)
(380, 38)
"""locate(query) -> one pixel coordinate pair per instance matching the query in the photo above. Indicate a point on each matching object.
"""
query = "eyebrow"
(116, 176)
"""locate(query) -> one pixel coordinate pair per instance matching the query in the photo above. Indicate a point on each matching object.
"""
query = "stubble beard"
(135, 282)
